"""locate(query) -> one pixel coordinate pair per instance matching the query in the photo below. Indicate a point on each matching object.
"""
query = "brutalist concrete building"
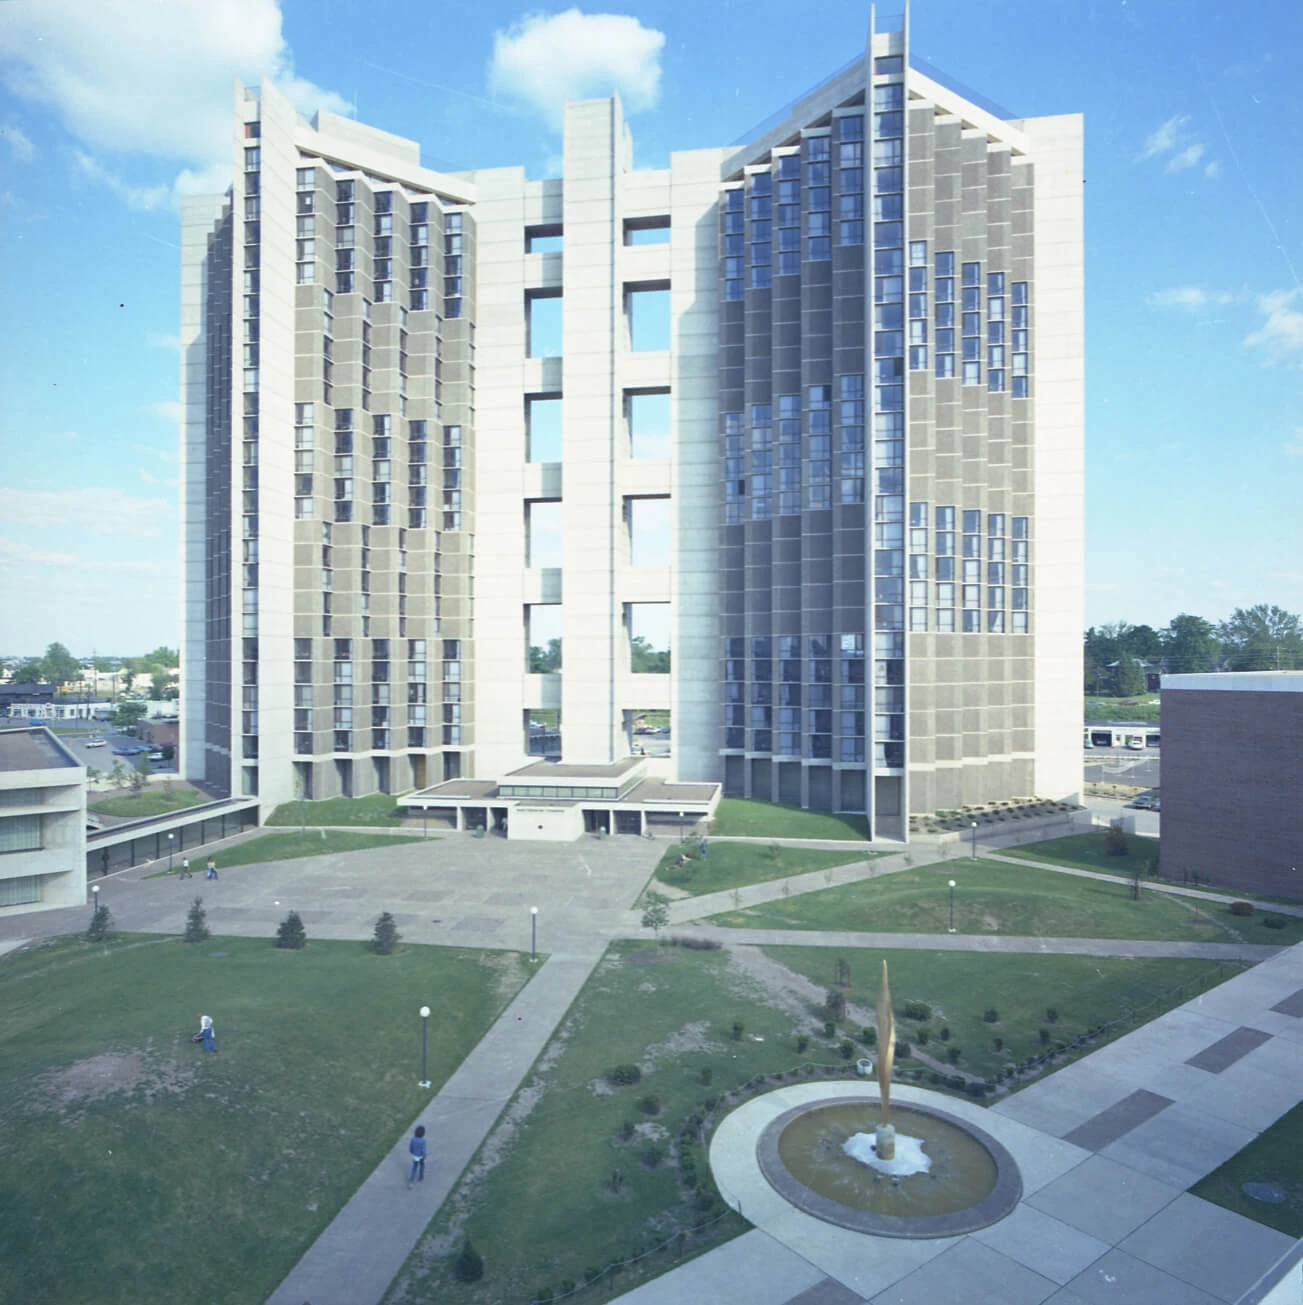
(1233, 780)
(450, 508)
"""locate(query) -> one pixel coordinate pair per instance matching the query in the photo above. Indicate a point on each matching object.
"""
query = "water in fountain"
(910, 1158)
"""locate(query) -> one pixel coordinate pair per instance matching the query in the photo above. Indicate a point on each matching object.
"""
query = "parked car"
(123, 752)
(94, 743)
(1143, 803)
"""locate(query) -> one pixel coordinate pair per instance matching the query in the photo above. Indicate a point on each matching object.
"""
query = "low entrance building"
(556, 802)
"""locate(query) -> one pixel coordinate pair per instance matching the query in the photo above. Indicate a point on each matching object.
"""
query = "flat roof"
(652, 790)
(34, 749)
(1241, 681)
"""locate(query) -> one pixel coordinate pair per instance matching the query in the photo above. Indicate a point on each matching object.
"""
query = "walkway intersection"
(1114, 1139)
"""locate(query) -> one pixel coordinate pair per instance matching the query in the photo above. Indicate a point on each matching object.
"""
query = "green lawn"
(1140, 710)
(735, 865)
(992, 897)
(1274, 1158)
(152, 800)
(375, 809)
(139, 1171)
(744, 818)
(546, 1213)
(287, 847)
(1085, 991)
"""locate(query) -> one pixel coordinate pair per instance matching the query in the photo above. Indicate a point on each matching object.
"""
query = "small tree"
(835, 1003)
(118, 775)
(93, 776)
(386, 935)
(774, 851)
(290, 933)
(140, 775)
(1115, 841)
(101, 925)
(128, 713)
(196, 923)
(468, 1266)
(657, 914)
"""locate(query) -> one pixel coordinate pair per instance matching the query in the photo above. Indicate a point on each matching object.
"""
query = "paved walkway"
(357, 1257)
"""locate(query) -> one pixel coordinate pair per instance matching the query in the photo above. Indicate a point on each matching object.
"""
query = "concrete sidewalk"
(359, 1254)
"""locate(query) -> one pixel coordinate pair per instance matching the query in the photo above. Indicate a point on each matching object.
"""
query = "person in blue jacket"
(417, 1147)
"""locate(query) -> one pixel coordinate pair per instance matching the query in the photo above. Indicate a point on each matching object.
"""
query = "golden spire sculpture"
(886, 1137)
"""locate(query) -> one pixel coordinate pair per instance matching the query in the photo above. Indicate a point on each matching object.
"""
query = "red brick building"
(1233, 780)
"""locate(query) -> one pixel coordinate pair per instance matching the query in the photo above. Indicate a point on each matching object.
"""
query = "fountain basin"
(973, 1180)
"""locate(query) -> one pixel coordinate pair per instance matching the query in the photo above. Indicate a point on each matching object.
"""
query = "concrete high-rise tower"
(762, 469)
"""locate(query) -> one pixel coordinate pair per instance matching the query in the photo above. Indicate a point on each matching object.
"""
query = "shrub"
(998, 1044)
(1241, 908)
(616, 1180)
(624, 1075)
(846, 1048)
(652, 1154)
(923, 1035)
(945, 1033)
(706, 1075)
(916, 1010)
(774, 851)
(869, 1037)
(903, 1050)
(1115, 841)
(1273, 921)
(952, 1055)
(386, 935)
(196, 923)
(991, 1015)
(738, 1029)
(468, 1266)
(835, 1004)
(101, 925)
(1052, 1014)
(801, 1043)
(1045, 1037)
(625, 1131)
(829, 1029)
(695, 944)
(650, 1104)
(291, 935)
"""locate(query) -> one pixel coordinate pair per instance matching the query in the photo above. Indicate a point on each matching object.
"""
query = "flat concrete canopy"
(35, 749)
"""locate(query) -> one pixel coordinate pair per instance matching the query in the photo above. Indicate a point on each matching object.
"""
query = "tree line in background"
(1261, 638)
(59, 667)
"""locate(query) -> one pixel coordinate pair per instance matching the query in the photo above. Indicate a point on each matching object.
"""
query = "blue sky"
(1194, 248)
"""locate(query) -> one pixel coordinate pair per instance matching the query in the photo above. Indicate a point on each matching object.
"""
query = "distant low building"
(160, 732)
(42, 823)
(1233, 780)
(12, 694)
(49, 710)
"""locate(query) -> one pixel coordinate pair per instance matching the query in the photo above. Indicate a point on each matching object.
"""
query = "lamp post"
(683, 815)
(95, 897)
(425, 1025)
(952, 906)
(974, 857)
(533, 933)
(170, 844)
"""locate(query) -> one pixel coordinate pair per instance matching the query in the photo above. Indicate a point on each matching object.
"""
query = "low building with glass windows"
(42, 823)
(763, 468)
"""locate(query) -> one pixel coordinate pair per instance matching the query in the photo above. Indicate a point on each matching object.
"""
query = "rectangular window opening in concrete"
(649, 530)
(543, 638)
(649, 732)
(647, 307)
(649, 638)
(543, 324)
(543, 427)
(648, 415)
(543, 239)
(647, 230)
(543, 532)
(542, 732)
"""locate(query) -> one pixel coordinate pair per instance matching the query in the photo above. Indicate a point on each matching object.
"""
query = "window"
(543, 325)
(650, 523)
(543, 638)
(543, 239)
(649, 423)
(647, 230)
(648, 311)
(649, 638)
(543, 427)
(543, 532)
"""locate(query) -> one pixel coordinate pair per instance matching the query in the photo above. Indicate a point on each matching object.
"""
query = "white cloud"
(162, 340)
(104, 511)
(1213, 170)
(163, 482)
(167, 409)
(1164, 138)
(1185, 158)
(543, 60)
(1294, 448)
(144, 199)
(150, 79)
(1280, 337)
(19, 142)
(1183, 296)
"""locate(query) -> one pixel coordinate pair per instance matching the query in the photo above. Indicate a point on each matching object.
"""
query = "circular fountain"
(962, 1178)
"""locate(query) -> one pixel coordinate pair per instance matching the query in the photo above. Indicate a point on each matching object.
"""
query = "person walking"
(418, 1148)
(206, 1033)
(212, 869)
(185, 869)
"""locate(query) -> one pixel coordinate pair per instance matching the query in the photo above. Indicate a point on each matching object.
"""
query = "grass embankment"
(1274, 1159)
(150, 801)
(375, 809)
(735, 865)
(139, 1171)
(744, 818)
(960, 987)
(992, 897)
(288, 847)
(1140, 710)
